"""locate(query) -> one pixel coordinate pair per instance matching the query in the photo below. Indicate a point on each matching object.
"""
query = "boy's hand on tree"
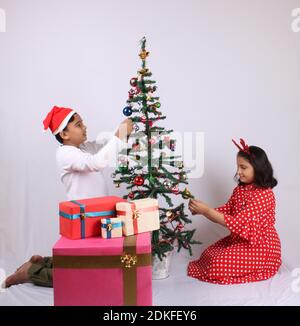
(129, 125)
(125, 129)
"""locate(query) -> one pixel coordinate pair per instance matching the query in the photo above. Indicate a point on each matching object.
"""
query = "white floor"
(180, 290)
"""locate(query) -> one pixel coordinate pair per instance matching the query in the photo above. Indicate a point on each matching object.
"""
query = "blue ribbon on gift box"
(83, 215)
(113, 226)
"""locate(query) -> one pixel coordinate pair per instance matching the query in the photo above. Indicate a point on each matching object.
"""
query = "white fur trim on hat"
(64, 123)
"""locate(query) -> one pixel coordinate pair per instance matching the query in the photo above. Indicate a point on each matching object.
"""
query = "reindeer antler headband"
(244, 147)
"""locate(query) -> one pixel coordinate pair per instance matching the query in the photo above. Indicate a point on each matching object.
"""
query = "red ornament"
(186, 245)
(150, 123)
(180, 226)
(131, 93)
(143, 119)
(131, 195)
(175, 190)
(138, 180)
(133, 82)
(136, 147)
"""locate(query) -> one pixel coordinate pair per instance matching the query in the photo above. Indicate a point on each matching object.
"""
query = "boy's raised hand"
(124, 129)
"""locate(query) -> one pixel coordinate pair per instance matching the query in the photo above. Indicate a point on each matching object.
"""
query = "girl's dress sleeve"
(227, 208)
(249, 222)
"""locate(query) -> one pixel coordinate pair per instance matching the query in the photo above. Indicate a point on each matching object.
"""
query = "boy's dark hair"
(263, 171)
(58, 138)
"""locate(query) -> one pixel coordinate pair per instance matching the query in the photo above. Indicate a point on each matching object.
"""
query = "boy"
(80, 164)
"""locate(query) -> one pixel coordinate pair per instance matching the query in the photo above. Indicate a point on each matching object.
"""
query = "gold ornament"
(186, 194)
(169, 214)
(144, 54)
(180, 165)
(117, 185)
(143, 71)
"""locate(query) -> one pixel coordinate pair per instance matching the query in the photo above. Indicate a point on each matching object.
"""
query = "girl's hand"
(198, 207)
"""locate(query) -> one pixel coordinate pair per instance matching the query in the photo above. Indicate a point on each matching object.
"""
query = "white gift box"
(141, 215)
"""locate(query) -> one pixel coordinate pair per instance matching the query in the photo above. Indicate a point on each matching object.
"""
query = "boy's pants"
(41, 274)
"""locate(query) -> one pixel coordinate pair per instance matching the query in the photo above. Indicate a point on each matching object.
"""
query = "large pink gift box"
(103, 272)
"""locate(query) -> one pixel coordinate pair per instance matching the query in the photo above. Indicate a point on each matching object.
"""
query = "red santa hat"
(57, 119)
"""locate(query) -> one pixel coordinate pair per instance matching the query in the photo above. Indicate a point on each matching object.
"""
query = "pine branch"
(168, 199)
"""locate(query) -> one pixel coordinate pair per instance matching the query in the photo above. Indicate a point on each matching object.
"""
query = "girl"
(252, 250)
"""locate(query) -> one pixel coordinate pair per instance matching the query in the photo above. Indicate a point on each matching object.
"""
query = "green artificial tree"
(148, 166)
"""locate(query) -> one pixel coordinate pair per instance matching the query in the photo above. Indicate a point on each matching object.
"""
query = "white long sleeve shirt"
(81, 168)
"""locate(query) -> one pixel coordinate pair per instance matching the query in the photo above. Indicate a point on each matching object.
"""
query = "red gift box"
(81, 219)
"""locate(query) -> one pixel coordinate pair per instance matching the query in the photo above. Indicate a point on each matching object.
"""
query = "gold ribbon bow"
(109, 227)
(129, 260)
(136, 214)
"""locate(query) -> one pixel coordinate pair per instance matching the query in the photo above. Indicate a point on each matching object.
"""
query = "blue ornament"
(127, 111)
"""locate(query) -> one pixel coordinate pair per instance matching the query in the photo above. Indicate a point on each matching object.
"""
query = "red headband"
(244, 148)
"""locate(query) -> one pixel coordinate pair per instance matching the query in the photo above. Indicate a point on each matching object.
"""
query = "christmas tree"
(147, 168)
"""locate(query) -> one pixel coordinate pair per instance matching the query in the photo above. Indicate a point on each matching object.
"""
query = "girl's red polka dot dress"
(252, 251)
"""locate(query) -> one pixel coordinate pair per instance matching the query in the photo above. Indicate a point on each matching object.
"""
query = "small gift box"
(111, 228)
(141, 215)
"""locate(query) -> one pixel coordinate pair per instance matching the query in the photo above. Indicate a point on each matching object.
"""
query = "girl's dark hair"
(58, 138)
(263, 171)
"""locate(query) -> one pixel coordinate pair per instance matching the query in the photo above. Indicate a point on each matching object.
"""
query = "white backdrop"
(226, 68)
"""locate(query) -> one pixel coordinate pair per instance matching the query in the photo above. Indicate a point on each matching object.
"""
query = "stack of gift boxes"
(103, 257)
